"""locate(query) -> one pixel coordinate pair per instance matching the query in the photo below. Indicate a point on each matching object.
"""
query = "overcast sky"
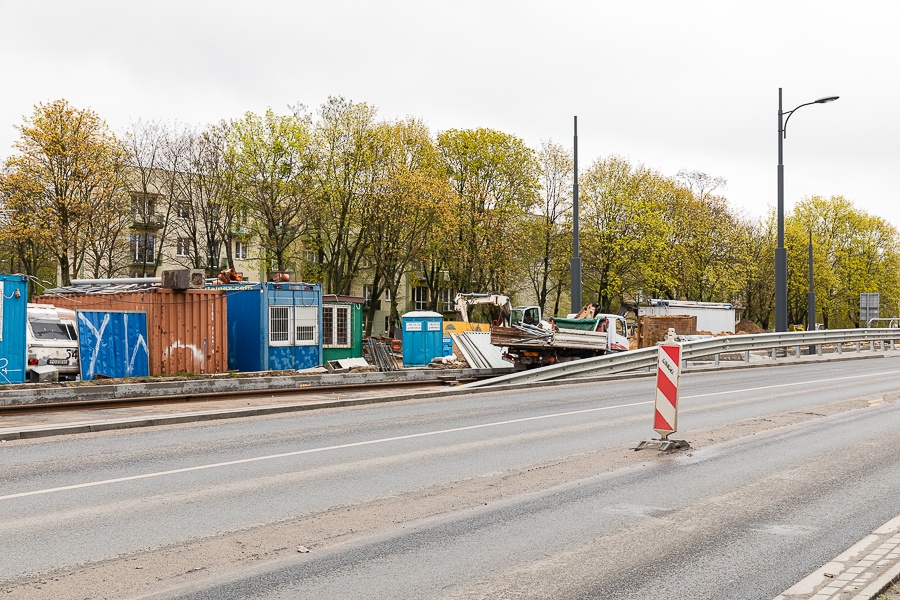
(670, 84)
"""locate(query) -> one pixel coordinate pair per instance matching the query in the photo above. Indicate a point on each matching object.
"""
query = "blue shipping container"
(273, 326)
(13, 310)
(423, 337)
(113, 344)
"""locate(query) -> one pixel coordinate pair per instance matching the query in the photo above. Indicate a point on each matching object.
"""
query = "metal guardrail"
(646, 358)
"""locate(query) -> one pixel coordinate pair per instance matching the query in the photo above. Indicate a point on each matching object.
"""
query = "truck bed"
(515, 337)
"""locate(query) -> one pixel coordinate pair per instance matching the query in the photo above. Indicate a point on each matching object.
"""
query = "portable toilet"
(13, 310)
(423, 337)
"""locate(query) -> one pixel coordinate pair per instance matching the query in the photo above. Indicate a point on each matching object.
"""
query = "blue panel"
(113, 344)
(247, 341)
(13, 305)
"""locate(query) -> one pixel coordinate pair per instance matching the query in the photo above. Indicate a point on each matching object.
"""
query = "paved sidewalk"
(861, 572)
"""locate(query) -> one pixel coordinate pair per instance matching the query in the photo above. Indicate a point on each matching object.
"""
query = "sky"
(668, 84)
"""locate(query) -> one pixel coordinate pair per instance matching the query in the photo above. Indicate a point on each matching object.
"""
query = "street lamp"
(780, 252)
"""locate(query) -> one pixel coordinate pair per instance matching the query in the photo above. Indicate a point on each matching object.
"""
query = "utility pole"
(576, 259)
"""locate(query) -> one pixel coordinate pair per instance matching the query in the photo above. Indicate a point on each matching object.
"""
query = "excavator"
(464, 301)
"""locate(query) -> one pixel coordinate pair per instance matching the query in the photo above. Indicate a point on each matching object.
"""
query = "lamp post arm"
(788, 116)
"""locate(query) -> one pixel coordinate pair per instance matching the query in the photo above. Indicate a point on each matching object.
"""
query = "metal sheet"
(113, 344)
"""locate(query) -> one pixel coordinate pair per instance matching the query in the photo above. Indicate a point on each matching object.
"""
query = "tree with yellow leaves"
(61, 180)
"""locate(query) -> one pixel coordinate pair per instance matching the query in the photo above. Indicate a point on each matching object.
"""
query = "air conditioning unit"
(184, 279)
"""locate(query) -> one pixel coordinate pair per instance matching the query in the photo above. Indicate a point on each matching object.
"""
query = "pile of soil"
(747, 326)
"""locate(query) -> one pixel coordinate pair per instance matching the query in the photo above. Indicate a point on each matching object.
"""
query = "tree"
(207, 199)
(272, 154)
(495, 178)
(854, 252)
(548, 234)
(626, 232)
(66, 171)
(411, 200)
(345, 139)
(706, 240)
(25, 244)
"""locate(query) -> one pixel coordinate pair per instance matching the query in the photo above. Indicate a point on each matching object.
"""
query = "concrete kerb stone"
(60, 393)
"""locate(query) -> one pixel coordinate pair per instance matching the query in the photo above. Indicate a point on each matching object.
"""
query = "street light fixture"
(780, 252)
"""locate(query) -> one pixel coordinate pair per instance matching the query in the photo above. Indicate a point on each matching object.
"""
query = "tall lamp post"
(576, 259)
(780, 252)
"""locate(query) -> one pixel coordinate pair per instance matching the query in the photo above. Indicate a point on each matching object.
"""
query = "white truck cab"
(52, 339)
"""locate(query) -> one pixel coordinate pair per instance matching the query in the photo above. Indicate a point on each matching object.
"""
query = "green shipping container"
(342, 327)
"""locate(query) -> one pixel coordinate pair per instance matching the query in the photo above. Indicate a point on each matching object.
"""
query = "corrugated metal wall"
(187, 330)
(13, 302)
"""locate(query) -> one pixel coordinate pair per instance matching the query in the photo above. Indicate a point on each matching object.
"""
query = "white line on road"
(402, 437)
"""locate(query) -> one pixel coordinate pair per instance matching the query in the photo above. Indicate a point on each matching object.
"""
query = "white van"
(52, 339)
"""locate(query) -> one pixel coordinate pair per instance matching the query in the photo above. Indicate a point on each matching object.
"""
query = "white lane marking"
(402, 437)
(780, 385)
(312, 451)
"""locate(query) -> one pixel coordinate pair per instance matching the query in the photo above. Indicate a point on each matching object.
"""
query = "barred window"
(280, 325)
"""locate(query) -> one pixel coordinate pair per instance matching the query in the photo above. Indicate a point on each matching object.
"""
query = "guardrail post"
(774, 353)
(857, 346)
(716, 360)
(840, 347)
(747, 356)
(872, 346)
(796, 351)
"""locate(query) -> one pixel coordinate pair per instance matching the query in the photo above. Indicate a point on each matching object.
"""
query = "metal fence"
(646, 358)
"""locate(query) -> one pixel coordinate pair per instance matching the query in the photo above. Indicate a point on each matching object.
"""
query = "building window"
(184, 210)
(213, 249)
(367, 294)
(142, 249)
(293, 325)
(336, 326)
(387, 295)
(240, 250)
(183, 247)
(420, 298)
(144, 206)
(446, 303)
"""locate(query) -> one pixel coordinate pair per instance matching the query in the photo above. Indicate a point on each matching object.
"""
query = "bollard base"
(663, 445)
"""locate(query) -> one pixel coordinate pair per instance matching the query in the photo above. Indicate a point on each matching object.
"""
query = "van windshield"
(51, 330)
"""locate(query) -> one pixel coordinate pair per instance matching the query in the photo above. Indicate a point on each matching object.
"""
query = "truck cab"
(51, 338)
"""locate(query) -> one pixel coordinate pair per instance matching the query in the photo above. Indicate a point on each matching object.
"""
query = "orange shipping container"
(187, 330)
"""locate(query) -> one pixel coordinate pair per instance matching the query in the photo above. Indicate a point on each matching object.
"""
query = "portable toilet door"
(423, 337)
(13, 311)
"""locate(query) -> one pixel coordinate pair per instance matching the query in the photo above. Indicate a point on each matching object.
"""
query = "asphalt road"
(526, 494)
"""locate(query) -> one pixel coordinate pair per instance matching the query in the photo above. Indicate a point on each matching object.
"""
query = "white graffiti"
(177, 345)
(141, 343)
(98, 335)
(130, 355)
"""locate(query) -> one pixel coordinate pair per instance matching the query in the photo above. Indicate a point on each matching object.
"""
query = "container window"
(336, 326)
(280, 325)
(306, 325)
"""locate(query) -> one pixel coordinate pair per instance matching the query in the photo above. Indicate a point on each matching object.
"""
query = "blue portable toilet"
(13, 311)
(273, 326)
(423, 337)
